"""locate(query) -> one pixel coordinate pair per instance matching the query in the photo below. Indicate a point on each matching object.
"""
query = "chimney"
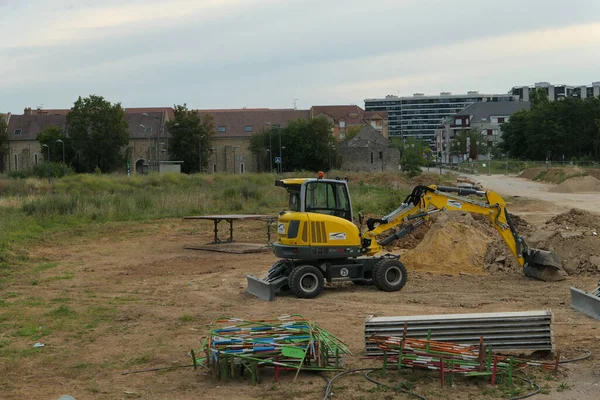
(27, 111)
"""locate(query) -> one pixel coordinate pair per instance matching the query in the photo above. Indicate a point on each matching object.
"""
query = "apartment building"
(418, 116)
(558, 91)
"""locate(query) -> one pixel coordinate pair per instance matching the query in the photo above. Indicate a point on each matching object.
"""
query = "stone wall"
(367, 159)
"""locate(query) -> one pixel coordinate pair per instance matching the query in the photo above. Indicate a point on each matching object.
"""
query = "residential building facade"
(558, 91)
(485, 117)
(344, 117)
(234, 127)
(419, 116)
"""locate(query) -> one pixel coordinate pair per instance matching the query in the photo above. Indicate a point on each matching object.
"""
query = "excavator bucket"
(587, 303)
(544, 266)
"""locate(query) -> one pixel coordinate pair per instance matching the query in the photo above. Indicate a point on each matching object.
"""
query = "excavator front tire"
(306, 281)
(389, 275)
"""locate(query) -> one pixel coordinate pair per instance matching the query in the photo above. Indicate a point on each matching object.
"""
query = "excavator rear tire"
(306, 281)
(389, 275)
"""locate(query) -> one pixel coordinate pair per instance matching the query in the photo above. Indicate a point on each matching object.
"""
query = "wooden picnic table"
(235, 217)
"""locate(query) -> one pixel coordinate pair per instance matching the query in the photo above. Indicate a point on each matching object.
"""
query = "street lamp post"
(270, 150)
(281, 158)
(63, 149)
(48, 147)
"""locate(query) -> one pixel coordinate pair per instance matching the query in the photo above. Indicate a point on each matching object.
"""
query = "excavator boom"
(426, 200)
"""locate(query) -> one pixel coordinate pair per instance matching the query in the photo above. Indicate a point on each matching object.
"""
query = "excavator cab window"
(294, 192)
(329, 198)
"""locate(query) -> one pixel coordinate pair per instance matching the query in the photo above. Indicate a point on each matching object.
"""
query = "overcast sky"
(266, 53)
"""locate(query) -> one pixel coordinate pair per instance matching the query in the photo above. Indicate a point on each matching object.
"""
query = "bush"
(54, 170)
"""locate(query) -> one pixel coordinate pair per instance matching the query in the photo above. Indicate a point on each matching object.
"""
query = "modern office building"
(557, 92)
(418, 116)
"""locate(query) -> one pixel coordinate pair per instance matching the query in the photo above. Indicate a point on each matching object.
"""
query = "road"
(510, 185)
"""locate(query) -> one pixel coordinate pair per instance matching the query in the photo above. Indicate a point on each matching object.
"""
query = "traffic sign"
(277, 160)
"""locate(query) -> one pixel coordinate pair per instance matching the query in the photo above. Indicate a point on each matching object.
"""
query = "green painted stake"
(489, 360)
(224, 368)
(337, 357)
(428, 339)
(451, 376)
(510, 370)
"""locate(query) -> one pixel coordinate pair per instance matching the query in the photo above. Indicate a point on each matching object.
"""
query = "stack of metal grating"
(503, 331)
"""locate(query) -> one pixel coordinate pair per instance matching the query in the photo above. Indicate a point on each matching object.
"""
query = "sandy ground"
(150, 281)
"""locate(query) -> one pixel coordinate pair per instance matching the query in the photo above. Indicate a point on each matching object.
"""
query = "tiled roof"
(367, 137)
(169, 110)
(31, 125)
(237, 122)
(478, 111)
(352, 114)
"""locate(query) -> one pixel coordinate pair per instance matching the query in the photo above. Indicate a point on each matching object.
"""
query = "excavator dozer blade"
(587, 303)
(265, 290)
(544, 266)
(260, 288)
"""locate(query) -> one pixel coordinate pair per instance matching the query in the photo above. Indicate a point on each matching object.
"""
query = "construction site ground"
(136, 299)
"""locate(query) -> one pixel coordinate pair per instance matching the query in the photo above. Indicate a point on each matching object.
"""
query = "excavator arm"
(427, 200)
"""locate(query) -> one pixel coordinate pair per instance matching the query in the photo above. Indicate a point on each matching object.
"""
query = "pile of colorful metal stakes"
(450, 358)
(235, 347)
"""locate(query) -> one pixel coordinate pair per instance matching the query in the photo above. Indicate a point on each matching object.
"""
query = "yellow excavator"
(317, 239)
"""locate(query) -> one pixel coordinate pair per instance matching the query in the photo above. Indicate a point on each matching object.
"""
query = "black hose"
(588, 355)
(330, 382)
(532, 383)
(418, 396)
(369, 370)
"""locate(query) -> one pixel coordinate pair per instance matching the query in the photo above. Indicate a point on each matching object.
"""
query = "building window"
(342, 124)
(458, 122)
(147, 129)
(500, 120)
(241, 168)
(248, 128)
(18, 132)
(222, 128)
(214, 168)
(378, 122)
(16, 162)
(490, 132)
(35, 159)
(371, 157)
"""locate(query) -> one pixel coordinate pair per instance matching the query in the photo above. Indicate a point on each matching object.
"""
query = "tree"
(306, 145)
(475, 138)
(191, 138)
(3, 142)
(554, 129)
(98, 131)
(412, 156)
(49, 137)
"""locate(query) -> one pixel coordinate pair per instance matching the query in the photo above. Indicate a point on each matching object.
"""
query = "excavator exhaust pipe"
(544, 266)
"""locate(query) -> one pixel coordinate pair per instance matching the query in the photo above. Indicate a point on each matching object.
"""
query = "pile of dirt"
(575, 237)
(578, 185)
(455, 243)
(449, 248)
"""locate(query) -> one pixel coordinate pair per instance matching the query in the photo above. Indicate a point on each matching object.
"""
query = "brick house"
(369, 151)
(234, 128)
(147, 137)
(343, 117)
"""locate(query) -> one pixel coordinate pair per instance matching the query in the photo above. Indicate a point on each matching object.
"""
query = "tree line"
(566, 129)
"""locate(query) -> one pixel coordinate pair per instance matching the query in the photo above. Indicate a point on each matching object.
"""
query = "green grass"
(63, 311)
(186, 318)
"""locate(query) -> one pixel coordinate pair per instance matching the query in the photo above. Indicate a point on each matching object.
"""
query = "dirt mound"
(449, 248)
(575, 237)
(578, 185)
(530, 173)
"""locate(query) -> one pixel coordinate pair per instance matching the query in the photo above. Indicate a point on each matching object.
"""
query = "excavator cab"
(320, 196)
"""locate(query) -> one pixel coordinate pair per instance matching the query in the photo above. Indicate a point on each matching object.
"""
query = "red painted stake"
(276, 370)
(442, 371)
(494, 369)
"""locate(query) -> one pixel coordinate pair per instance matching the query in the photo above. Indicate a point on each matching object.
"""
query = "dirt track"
(521, 187)
(151, 282)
